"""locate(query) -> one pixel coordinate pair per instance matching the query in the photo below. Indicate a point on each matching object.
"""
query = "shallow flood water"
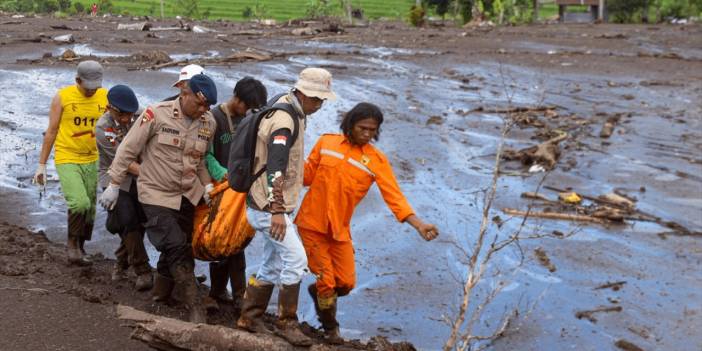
(406, 287)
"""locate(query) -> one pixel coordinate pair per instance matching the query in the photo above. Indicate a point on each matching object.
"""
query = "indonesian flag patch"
(147, 117)
(280, 140)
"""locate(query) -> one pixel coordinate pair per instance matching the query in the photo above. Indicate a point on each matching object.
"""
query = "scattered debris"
(618, 200)
(608, 126)
(544, 260)
(612, 36)
(141, 26)
(554, 215)
(153, 57)
(614, 285)
(69, 55)
(627, 345)
(61, 26)
(545, 154)
(65, 38)
(589, 314)
(570, 197)
(437, 120)
(305, 31)
(201, 29)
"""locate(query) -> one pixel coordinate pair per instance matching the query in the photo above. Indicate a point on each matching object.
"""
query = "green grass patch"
(234, 9)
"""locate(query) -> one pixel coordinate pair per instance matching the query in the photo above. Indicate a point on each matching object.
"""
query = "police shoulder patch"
(148, 116)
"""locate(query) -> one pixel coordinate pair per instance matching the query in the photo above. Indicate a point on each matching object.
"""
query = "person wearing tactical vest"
(170, 139)
(339, 172)
(128, 216)
(271, 200)
(249, 94)
(73, 114)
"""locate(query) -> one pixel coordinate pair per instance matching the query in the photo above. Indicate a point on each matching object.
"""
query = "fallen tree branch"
(589, 314)
(553, 215)
(516, 109)
(165, 333)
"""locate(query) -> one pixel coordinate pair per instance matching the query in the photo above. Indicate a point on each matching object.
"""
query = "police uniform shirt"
(171, 147)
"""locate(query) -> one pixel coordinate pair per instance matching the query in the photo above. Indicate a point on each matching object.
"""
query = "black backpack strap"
(267, 113)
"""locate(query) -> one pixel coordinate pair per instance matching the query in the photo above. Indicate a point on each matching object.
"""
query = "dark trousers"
(170, 231)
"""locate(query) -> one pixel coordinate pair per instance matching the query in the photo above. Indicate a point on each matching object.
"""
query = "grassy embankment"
(281, 9)
(278, 9)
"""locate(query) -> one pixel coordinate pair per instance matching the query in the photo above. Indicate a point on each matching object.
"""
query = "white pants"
(283, 261)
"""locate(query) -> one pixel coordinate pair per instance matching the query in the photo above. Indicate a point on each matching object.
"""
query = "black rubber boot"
(327, 316)
(256, 299)
(219, 276)
(237, 278)
(288, 327)
(74, 251)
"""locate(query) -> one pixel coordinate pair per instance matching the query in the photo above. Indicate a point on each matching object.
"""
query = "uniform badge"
(147, 117)
(365, 160)
(176, 141)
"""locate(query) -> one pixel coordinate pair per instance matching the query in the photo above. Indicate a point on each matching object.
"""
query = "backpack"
(243, 148)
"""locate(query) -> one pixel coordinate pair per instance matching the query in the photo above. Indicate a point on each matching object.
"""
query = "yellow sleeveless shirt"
(75, 142)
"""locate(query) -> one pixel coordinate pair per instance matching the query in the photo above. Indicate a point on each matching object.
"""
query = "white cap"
(188, 72)
(316, 82)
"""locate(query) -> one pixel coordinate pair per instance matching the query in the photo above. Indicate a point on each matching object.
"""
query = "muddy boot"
(184, 277)
(254, 305)
(119, 272)
(75, 256)
(218, 279)
(288, 327)
(144, 282)
(163, 286)
(237, 278)
(326, 315)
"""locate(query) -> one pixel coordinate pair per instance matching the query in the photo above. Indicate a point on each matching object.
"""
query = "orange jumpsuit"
(339, 175)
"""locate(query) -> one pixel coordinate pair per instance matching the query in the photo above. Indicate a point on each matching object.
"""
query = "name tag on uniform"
(204, 133)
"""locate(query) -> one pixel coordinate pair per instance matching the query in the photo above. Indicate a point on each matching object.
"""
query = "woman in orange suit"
(339, 171)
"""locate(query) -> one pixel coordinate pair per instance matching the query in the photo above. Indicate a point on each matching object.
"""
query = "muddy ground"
(439, 88)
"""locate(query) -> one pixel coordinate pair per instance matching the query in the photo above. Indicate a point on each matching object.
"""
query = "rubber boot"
(288, 327)
(144, 282)
(237, 278)
(75, 256)
(76, 228)
(256, 299)
(218, 278)
(184, 277)
(163, 286)
(119, 272)
(326, 315)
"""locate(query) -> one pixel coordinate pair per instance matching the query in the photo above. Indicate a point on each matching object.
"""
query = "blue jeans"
(283, 261)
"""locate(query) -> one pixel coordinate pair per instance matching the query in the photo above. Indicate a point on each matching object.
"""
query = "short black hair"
(252, 92)
(361, 111)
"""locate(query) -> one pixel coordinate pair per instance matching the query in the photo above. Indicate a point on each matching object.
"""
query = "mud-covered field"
(442, 90)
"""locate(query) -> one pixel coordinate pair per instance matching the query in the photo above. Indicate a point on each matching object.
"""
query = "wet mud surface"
(441, 89)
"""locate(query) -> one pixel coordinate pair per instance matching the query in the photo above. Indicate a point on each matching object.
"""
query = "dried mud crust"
(48, 304)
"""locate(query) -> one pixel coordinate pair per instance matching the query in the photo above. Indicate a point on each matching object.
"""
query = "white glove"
(40, 175)
(108, 199)
(208, 188)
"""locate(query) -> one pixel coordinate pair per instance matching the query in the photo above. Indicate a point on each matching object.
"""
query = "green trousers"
(79, 187)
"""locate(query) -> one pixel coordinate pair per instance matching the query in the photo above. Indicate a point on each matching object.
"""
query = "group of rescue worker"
(155, 165)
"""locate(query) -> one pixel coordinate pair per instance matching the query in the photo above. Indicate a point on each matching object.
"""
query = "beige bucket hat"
(316, 82)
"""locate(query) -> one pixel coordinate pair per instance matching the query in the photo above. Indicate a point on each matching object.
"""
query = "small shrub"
(80, 9)
(624, 11)
(248, 12)
(416, 15)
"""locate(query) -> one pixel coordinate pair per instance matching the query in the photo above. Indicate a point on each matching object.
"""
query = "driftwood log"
(546, 153)
(170, 334)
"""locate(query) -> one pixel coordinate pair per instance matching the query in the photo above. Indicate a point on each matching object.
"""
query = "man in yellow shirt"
(73, 114)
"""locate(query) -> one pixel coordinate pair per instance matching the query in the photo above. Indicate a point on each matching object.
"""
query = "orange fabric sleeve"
(390, 190)
(312, 162)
